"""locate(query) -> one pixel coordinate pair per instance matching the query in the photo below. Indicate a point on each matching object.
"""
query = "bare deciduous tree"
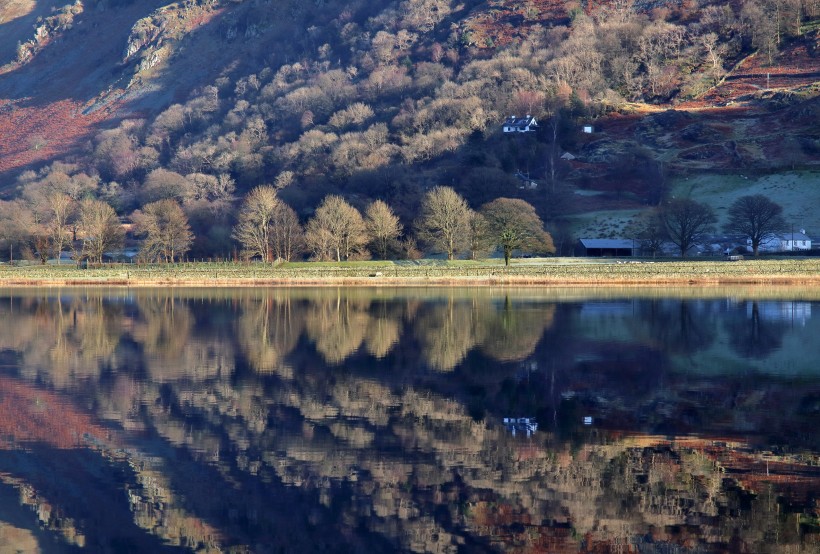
(337, 230)
(287, 236)
(481, 240)
(445, 221)
(686, 221)
(755, 217)
(101, 229)
(16, 224)
(62, 208)
(648, 231)
(383, 226)
(513, 225)
(166, 229)
(256, 217)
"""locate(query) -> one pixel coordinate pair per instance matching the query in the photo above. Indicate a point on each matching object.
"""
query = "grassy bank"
(549, 272)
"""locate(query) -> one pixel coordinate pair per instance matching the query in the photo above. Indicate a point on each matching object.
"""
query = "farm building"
(597, 248)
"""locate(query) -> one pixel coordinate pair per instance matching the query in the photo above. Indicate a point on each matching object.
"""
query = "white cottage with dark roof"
(525, 124)
(785, 242)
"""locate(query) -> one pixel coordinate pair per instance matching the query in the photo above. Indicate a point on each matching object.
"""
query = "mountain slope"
(383, 100)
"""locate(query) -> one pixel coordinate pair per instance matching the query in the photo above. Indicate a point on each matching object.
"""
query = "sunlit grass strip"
(550, 271)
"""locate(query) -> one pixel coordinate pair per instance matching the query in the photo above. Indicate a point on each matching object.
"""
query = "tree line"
(685, 222)
(56, 214)
(48, 220)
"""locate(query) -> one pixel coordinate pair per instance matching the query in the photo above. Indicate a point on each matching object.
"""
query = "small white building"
(525, 124)
(784, 242)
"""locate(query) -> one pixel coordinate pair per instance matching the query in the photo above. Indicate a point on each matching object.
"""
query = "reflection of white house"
(796, 312)
(525, 124)
(526, 425)
(785, 242)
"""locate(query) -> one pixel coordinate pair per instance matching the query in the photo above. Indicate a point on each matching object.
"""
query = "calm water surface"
(423, 420)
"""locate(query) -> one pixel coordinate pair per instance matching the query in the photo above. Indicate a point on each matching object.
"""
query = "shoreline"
(549, 272)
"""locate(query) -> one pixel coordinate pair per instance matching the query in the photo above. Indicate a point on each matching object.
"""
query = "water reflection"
(266, 420)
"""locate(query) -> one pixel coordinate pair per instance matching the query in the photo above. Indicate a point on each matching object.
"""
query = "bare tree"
(755, 217)
(686, 221)
(62, 208)
(648, 230)
(337, 229)
(481, 239)
(287, 236)
(383, 226)
(167, 232)
(445, 221)
(16, 225)
(514, 225)
(256, 217)
(101, 229)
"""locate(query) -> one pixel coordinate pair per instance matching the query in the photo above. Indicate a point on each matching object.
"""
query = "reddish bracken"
(33, 134)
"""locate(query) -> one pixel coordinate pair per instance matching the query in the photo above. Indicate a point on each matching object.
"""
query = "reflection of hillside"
(434, 477)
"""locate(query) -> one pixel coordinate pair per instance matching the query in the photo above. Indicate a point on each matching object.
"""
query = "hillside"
(384, 100)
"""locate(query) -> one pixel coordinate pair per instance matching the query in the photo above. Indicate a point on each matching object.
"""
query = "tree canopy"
(444, 223)
(756, 218)
(514, 225)
(686, 221)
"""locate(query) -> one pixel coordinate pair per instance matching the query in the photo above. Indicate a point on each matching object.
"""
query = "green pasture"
(798, 192)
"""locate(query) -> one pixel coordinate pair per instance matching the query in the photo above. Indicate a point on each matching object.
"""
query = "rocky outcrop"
(48, 30)
(154, 39)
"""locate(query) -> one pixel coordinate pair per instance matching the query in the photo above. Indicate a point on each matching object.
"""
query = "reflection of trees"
(512, 332)
(68, 338)
(680, 326)
(446, 331)
(347, 445)
(752, 336)
(382, 334)
(337, 326)
(164, 331)
(268, 329)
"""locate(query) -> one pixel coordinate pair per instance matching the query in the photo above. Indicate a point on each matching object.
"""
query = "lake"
(410, 419)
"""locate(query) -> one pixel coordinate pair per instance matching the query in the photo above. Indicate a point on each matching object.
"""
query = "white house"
(784, 242)
(525, 124)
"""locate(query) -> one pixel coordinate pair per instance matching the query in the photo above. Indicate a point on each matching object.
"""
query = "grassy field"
(796, 191)
(544, 271)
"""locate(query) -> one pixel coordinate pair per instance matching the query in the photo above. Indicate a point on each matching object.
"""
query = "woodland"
(362, 112)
